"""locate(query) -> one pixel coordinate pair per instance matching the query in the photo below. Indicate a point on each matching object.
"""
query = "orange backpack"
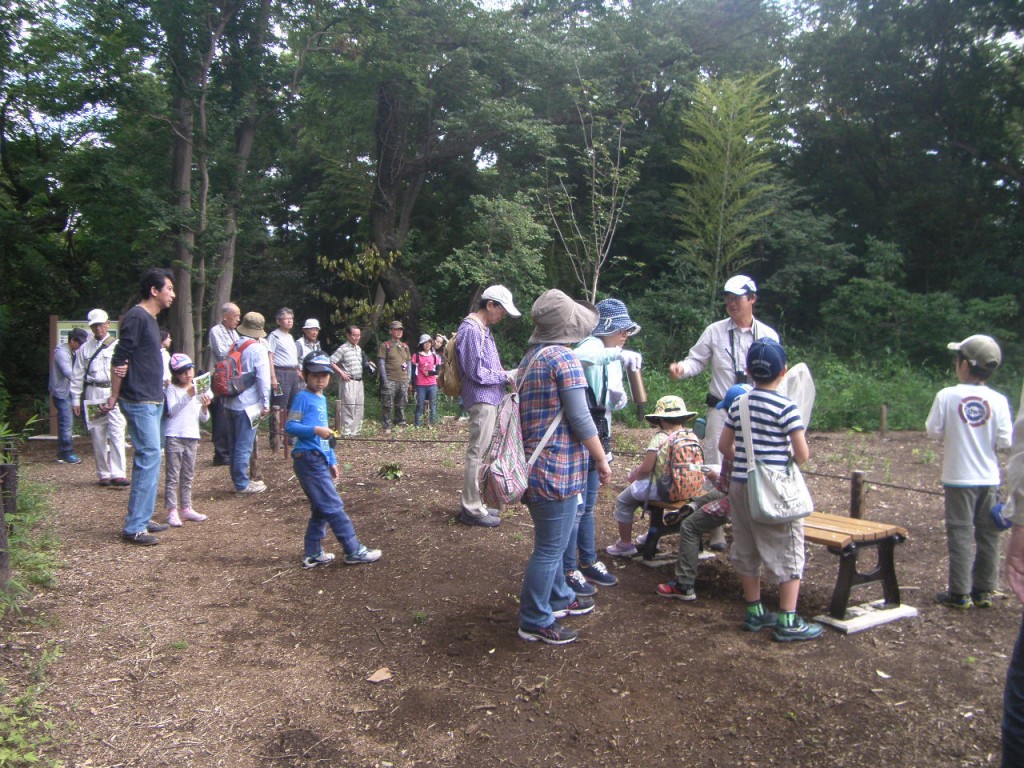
(682, 476)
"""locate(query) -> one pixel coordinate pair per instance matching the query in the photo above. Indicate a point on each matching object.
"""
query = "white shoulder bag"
(775, 496)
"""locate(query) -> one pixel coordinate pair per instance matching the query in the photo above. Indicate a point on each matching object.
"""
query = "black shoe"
(485, 521)
(156, 527)
(219, 462)
(142, 539)
(104, 481)
(577, 607)
(120, 482)
(556, 634)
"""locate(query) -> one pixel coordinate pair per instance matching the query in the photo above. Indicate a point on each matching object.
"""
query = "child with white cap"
(185, 409)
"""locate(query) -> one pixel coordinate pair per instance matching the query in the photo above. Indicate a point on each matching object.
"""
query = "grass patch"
(25, 728)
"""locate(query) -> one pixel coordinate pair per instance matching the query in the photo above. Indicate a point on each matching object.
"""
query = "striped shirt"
(349, 358)
(561, 469)
(773, 418)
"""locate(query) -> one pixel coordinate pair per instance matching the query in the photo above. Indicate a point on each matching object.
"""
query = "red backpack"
(228, 379)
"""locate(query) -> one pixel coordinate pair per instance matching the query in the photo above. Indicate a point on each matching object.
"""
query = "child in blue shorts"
(317, 469)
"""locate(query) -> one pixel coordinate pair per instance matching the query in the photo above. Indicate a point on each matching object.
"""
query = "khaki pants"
(482, 418)
(349, 408)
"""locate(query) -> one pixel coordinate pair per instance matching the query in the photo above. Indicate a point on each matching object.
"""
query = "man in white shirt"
(91, 377)
(285, 376)
(724, 346)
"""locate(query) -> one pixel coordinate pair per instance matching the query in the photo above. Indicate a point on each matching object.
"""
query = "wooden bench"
(843, 536)
(847, 537)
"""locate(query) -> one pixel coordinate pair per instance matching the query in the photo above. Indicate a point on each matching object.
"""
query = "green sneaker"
(798, 630)
(766, 620)
(983, 599)
(959, 602)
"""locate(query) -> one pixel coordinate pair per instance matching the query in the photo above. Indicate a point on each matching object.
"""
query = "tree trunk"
(184, 236)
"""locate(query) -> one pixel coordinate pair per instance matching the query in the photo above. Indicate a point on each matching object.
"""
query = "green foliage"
(873, 315)
(390, 471)
(25, 731)
(726, 193)
(33, 543)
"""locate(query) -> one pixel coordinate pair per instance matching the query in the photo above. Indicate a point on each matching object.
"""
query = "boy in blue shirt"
(317, 469)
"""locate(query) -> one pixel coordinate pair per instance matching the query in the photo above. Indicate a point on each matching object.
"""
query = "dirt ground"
(217, 649)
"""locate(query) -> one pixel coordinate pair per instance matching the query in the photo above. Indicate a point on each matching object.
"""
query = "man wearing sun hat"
(483, 386)
(310, 340)
(252, 404)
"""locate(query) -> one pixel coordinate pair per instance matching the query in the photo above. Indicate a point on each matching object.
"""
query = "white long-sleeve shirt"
(726, 353)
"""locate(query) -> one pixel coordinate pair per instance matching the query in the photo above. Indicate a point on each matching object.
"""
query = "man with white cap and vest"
(310, 340)
(90, 383)
(723, 346)
(483, 386)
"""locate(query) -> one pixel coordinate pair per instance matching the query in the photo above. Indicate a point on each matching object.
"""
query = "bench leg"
(887, 566)
(850, 577)
(844, 583)
(654, 532)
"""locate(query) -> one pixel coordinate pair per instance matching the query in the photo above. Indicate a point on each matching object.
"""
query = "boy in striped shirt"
(777, 429)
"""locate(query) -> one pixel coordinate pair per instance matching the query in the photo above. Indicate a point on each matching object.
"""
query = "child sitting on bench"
(670, 414)
(711, 511)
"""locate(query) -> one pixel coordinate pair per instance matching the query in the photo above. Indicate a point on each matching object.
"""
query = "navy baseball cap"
(766, 359)
(316, 362)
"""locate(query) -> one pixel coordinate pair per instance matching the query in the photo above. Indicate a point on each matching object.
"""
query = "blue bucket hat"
(614, 317)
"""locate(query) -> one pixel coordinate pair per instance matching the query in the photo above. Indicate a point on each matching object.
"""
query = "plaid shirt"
(561, 469)
(721, 507)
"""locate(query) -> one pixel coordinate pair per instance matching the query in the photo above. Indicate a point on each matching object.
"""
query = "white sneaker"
(324, 558)
(254, 486)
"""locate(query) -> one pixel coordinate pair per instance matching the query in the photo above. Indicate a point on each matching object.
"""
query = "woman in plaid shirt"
(553, 387)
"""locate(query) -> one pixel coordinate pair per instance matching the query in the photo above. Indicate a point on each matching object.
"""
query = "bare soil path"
(216, 649)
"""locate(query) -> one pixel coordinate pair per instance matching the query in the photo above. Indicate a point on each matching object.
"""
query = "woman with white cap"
(723, 346)
(425, 363)
(552, 392)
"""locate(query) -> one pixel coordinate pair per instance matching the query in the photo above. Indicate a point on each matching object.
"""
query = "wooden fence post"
(858, 489)
(884, 428)
(8, 506)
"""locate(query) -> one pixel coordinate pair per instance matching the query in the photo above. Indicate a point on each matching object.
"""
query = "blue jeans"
(145, 427)
(583, 536)
(326, 505)
(64, 425)
(1013, 707)
(544, 587)
(243, 438)
(426, 392)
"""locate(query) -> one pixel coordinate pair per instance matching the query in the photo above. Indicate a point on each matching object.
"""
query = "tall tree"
(725, 156)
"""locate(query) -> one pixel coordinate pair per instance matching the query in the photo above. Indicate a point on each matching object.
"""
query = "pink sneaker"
(621, 549)
(191, 515)
(172, 518)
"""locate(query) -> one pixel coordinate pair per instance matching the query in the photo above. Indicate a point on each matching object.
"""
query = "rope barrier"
(877, 483)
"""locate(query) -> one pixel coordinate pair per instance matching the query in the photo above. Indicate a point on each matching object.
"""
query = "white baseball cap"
(503, 296)
(97, 317)
(311, 323)
(740, 285)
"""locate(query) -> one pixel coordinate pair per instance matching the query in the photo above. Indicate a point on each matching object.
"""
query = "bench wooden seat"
(846, 537)
(843, 536)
